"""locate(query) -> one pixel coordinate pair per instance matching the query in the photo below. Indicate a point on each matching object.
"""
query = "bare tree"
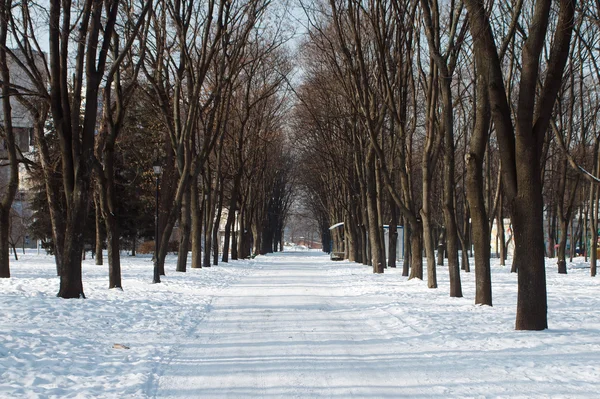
(521, 143)
(119, 89)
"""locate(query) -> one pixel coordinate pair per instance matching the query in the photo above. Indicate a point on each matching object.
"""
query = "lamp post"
(157, 171)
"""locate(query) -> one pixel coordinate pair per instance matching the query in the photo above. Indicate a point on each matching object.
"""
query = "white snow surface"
(291, 325)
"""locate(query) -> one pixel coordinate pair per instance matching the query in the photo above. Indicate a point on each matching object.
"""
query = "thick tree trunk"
(71, 285)
(416, 250)
(528, 222)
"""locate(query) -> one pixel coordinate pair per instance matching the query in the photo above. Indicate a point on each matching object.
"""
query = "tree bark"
(475, 193)
(99, 242)
(196, 226)
(377, 256)
(393, 235)
(185, 229)
(215, 233)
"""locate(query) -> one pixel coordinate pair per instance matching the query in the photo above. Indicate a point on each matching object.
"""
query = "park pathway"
(288, 330)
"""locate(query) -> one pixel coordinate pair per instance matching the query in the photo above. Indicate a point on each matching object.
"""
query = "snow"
(291, 325)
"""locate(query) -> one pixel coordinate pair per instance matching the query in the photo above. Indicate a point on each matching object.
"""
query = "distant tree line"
(438, 116)
(195, 87)
(443, 116)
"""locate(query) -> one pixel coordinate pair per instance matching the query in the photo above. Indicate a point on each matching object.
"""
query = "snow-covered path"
(285, 331)
(298, 327)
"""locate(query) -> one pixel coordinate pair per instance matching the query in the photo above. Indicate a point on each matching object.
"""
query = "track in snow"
(288, 331)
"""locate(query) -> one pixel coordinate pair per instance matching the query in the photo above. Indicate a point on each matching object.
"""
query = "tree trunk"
(393, 235)
(416, 250)
(562, 245)
(10, 188)
(217, 224)
(208, 225)
(196, 226)
(593, 227)
(528, 222)
(374, 239)
(441, 247)
(113, 251)
(71, 285)
(234, 238)
(407, 251)
(551, 232)
(257, 239)
(475, 194)
(378, 190)
(14, 248)
(185, 229)
(4, 242)
(352, 239)
(500, 230)
(449, 184)
(464, 243)
(426, 229)
(229, 224)
(108, 205)
(134, 243)
(99, 243)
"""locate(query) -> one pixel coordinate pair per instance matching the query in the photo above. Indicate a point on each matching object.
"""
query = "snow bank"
(56, 348)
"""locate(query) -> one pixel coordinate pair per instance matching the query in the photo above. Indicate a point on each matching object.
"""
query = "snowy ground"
(291, 325)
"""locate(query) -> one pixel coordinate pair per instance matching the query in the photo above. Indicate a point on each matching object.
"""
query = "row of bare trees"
(200, 85)
(443, 116)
